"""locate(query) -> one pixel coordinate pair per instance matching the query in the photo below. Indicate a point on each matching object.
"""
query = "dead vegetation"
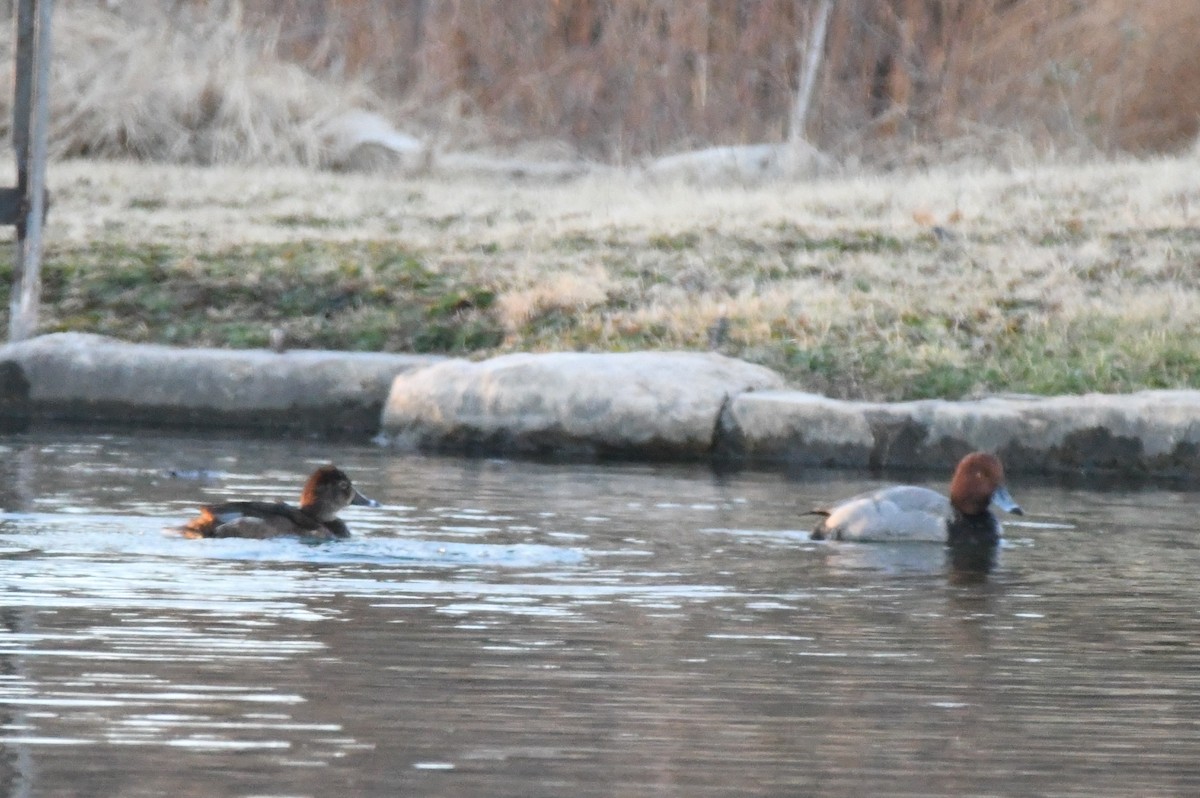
(180, 90)
(903, 82)
(947, 283)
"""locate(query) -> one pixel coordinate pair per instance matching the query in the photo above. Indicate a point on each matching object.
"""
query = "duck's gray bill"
(363, 501)
(1002, 499)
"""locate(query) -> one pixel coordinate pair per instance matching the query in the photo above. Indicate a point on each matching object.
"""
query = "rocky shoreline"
(640, 405)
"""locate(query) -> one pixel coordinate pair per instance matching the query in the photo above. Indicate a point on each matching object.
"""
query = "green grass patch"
(355, 297)
(791, 238)
(309, 220)
(679, 242)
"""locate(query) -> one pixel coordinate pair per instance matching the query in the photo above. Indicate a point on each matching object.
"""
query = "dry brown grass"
(180, 89)
(945, 283)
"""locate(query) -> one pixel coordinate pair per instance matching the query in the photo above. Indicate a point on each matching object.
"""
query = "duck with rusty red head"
(912, 513)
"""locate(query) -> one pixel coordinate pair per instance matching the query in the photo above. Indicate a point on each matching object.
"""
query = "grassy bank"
(1044, 280)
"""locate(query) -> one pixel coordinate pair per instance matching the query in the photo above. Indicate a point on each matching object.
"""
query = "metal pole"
(31, 119)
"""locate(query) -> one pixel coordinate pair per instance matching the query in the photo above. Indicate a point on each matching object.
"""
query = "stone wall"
(641, 405)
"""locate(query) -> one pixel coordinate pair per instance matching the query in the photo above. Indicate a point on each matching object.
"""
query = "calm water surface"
(502, 628)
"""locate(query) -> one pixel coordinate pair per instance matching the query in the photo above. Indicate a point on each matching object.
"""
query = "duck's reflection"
(970, 561)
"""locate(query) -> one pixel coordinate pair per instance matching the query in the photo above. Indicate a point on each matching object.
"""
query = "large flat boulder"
(75, 377)
(647, 404)
(1145, 432)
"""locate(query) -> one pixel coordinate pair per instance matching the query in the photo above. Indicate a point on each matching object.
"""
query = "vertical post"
(31, 118)
(22, 105)
(811, 56)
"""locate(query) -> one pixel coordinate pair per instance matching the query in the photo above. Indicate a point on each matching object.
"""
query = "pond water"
(504, 628)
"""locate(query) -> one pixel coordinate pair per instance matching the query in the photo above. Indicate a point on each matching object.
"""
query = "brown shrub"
(632, 77)
(215, 80)
(1116, 74)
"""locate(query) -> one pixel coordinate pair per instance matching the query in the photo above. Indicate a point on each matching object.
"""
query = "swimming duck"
(907, 512)
(327, 491)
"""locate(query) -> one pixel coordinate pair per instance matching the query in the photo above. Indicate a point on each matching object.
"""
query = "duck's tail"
(819, 532)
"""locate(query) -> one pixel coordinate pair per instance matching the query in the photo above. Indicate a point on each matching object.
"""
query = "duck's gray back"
(904, 512)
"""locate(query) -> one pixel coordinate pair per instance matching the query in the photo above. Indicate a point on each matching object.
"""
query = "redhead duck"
(907, 512)
(327, 491)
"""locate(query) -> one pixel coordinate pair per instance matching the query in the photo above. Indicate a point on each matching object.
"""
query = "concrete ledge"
(1150, 432)
(654, 405)
(643, 405)
(74, 377)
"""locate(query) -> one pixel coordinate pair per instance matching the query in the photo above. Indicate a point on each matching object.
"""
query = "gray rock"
(745, 164)
(76, 377)
(363, 141)
(654, 405)
(1145, 432)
